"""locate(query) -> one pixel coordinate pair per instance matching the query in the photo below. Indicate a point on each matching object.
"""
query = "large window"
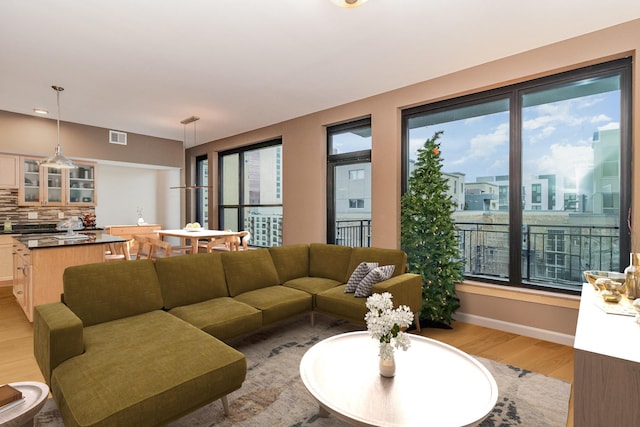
(546, 167)
(250, 195)
(202, 190)
(349, 183)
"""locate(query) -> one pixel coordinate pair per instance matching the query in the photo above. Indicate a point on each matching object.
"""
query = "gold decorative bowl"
(593, 275)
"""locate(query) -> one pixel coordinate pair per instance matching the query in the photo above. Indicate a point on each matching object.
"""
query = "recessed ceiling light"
(349, 3)
(40, 111)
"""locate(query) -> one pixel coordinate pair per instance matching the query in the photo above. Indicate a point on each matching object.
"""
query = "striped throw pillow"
(358, 274)
(376, 275)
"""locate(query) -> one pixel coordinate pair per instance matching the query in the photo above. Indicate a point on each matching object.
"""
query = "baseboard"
(515, 328)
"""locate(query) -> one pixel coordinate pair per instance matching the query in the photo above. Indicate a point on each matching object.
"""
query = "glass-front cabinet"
(40, 186)
(29, 191)
(82, 185)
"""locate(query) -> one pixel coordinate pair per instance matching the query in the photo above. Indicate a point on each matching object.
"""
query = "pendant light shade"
(58, 160)
(349, 3)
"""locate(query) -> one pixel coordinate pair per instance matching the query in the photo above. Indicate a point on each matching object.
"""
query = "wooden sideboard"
(606, 366)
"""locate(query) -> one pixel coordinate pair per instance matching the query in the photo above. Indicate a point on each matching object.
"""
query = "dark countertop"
(40, 241)
(37, 229)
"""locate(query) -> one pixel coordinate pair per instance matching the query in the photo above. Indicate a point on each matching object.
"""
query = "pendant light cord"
(58, 89)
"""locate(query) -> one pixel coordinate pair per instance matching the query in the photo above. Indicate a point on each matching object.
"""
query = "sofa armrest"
(57, 336)
(405, 288)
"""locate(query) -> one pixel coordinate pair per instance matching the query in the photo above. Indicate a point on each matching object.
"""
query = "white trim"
(515, 328)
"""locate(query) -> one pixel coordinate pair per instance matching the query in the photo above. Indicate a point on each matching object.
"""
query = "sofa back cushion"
(291, 261)
(382, 256)
(329, 261)
(98, 293)
(186, 280)
(249, 270)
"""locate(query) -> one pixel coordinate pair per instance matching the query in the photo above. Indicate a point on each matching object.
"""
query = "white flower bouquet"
(387, 324)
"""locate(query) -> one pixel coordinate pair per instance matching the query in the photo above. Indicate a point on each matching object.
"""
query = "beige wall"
(304, 151)
(37, 136)
(134, 176)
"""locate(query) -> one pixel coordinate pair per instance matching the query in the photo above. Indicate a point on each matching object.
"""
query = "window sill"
(520, 294)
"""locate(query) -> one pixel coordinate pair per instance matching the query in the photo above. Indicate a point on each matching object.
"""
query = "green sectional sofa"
(142, 342)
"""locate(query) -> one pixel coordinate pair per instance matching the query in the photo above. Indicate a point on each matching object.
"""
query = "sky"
(557, 137)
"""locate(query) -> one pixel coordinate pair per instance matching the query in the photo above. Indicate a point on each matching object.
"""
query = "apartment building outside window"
(547, 175)
(202, 193)
(349, 183)
(250, 192)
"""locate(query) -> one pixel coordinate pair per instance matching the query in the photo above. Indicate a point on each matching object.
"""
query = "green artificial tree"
(429, 236)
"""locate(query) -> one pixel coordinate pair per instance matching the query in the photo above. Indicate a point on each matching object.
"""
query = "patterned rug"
(273, 393)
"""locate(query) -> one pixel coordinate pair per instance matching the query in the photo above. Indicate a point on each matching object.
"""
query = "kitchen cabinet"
(22, 284)
(39, 262)
(81, 185)
(40, 186)
(6, 255)
(9, 171)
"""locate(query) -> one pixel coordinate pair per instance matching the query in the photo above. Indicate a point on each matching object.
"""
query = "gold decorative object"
(592, 277)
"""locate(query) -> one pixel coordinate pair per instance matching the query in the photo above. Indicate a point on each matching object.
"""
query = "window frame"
(341, 159)
(514, 93)
(241, 205)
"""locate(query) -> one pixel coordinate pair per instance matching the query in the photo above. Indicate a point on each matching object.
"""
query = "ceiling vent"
(116, 137)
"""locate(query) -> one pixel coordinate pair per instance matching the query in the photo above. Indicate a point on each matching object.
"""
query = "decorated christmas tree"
(429, 236)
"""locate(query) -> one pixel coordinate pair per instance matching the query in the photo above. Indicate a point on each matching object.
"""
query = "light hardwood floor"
(18, 364)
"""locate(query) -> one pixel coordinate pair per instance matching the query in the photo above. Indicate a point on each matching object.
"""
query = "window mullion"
(515, 189)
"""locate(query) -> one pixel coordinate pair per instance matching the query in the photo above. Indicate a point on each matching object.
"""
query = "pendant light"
(58, 161)
(185, 122)
(349, 3)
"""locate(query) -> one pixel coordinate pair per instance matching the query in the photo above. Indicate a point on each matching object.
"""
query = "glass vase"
(632, 276)
(387, 367)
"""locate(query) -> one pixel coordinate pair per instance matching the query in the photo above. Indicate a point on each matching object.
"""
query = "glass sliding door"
(349, 184)
(202, 192)
(251, 192)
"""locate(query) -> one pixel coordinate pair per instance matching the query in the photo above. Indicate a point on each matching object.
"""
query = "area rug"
(273, 393)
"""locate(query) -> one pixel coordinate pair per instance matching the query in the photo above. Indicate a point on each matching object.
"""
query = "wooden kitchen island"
(40, 260)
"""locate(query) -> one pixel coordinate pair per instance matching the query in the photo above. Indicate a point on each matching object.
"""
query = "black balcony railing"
(552, 255)
(355, 233)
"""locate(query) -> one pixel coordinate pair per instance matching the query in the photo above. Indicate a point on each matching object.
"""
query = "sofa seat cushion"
(336, 302)
(223, 318)
(312, 285)
(144, 370)
(277, 302)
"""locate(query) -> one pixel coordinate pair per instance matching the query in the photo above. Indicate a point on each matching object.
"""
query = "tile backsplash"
(46, 214)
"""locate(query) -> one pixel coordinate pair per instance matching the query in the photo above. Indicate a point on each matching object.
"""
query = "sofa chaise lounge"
(142, 342)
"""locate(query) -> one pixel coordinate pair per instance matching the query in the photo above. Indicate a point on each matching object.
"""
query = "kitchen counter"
(39, 261)
(39, 241)
(35, 229)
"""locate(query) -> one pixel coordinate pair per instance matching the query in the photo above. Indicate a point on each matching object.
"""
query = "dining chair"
(143, 246)
(223, 243)
(162, 249)
(244, 238)
(119, 251)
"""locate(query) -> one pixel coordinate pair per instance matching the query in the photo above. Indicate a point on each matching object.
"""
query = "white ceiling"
(143, 66)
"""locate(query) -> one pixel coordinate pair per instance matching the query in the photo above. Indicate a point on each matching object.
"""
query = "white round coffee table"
(34, 396)
(435, 384)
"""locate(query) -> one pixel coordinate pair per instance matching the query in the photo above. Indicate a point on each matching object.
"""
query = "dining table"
(193, 235)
